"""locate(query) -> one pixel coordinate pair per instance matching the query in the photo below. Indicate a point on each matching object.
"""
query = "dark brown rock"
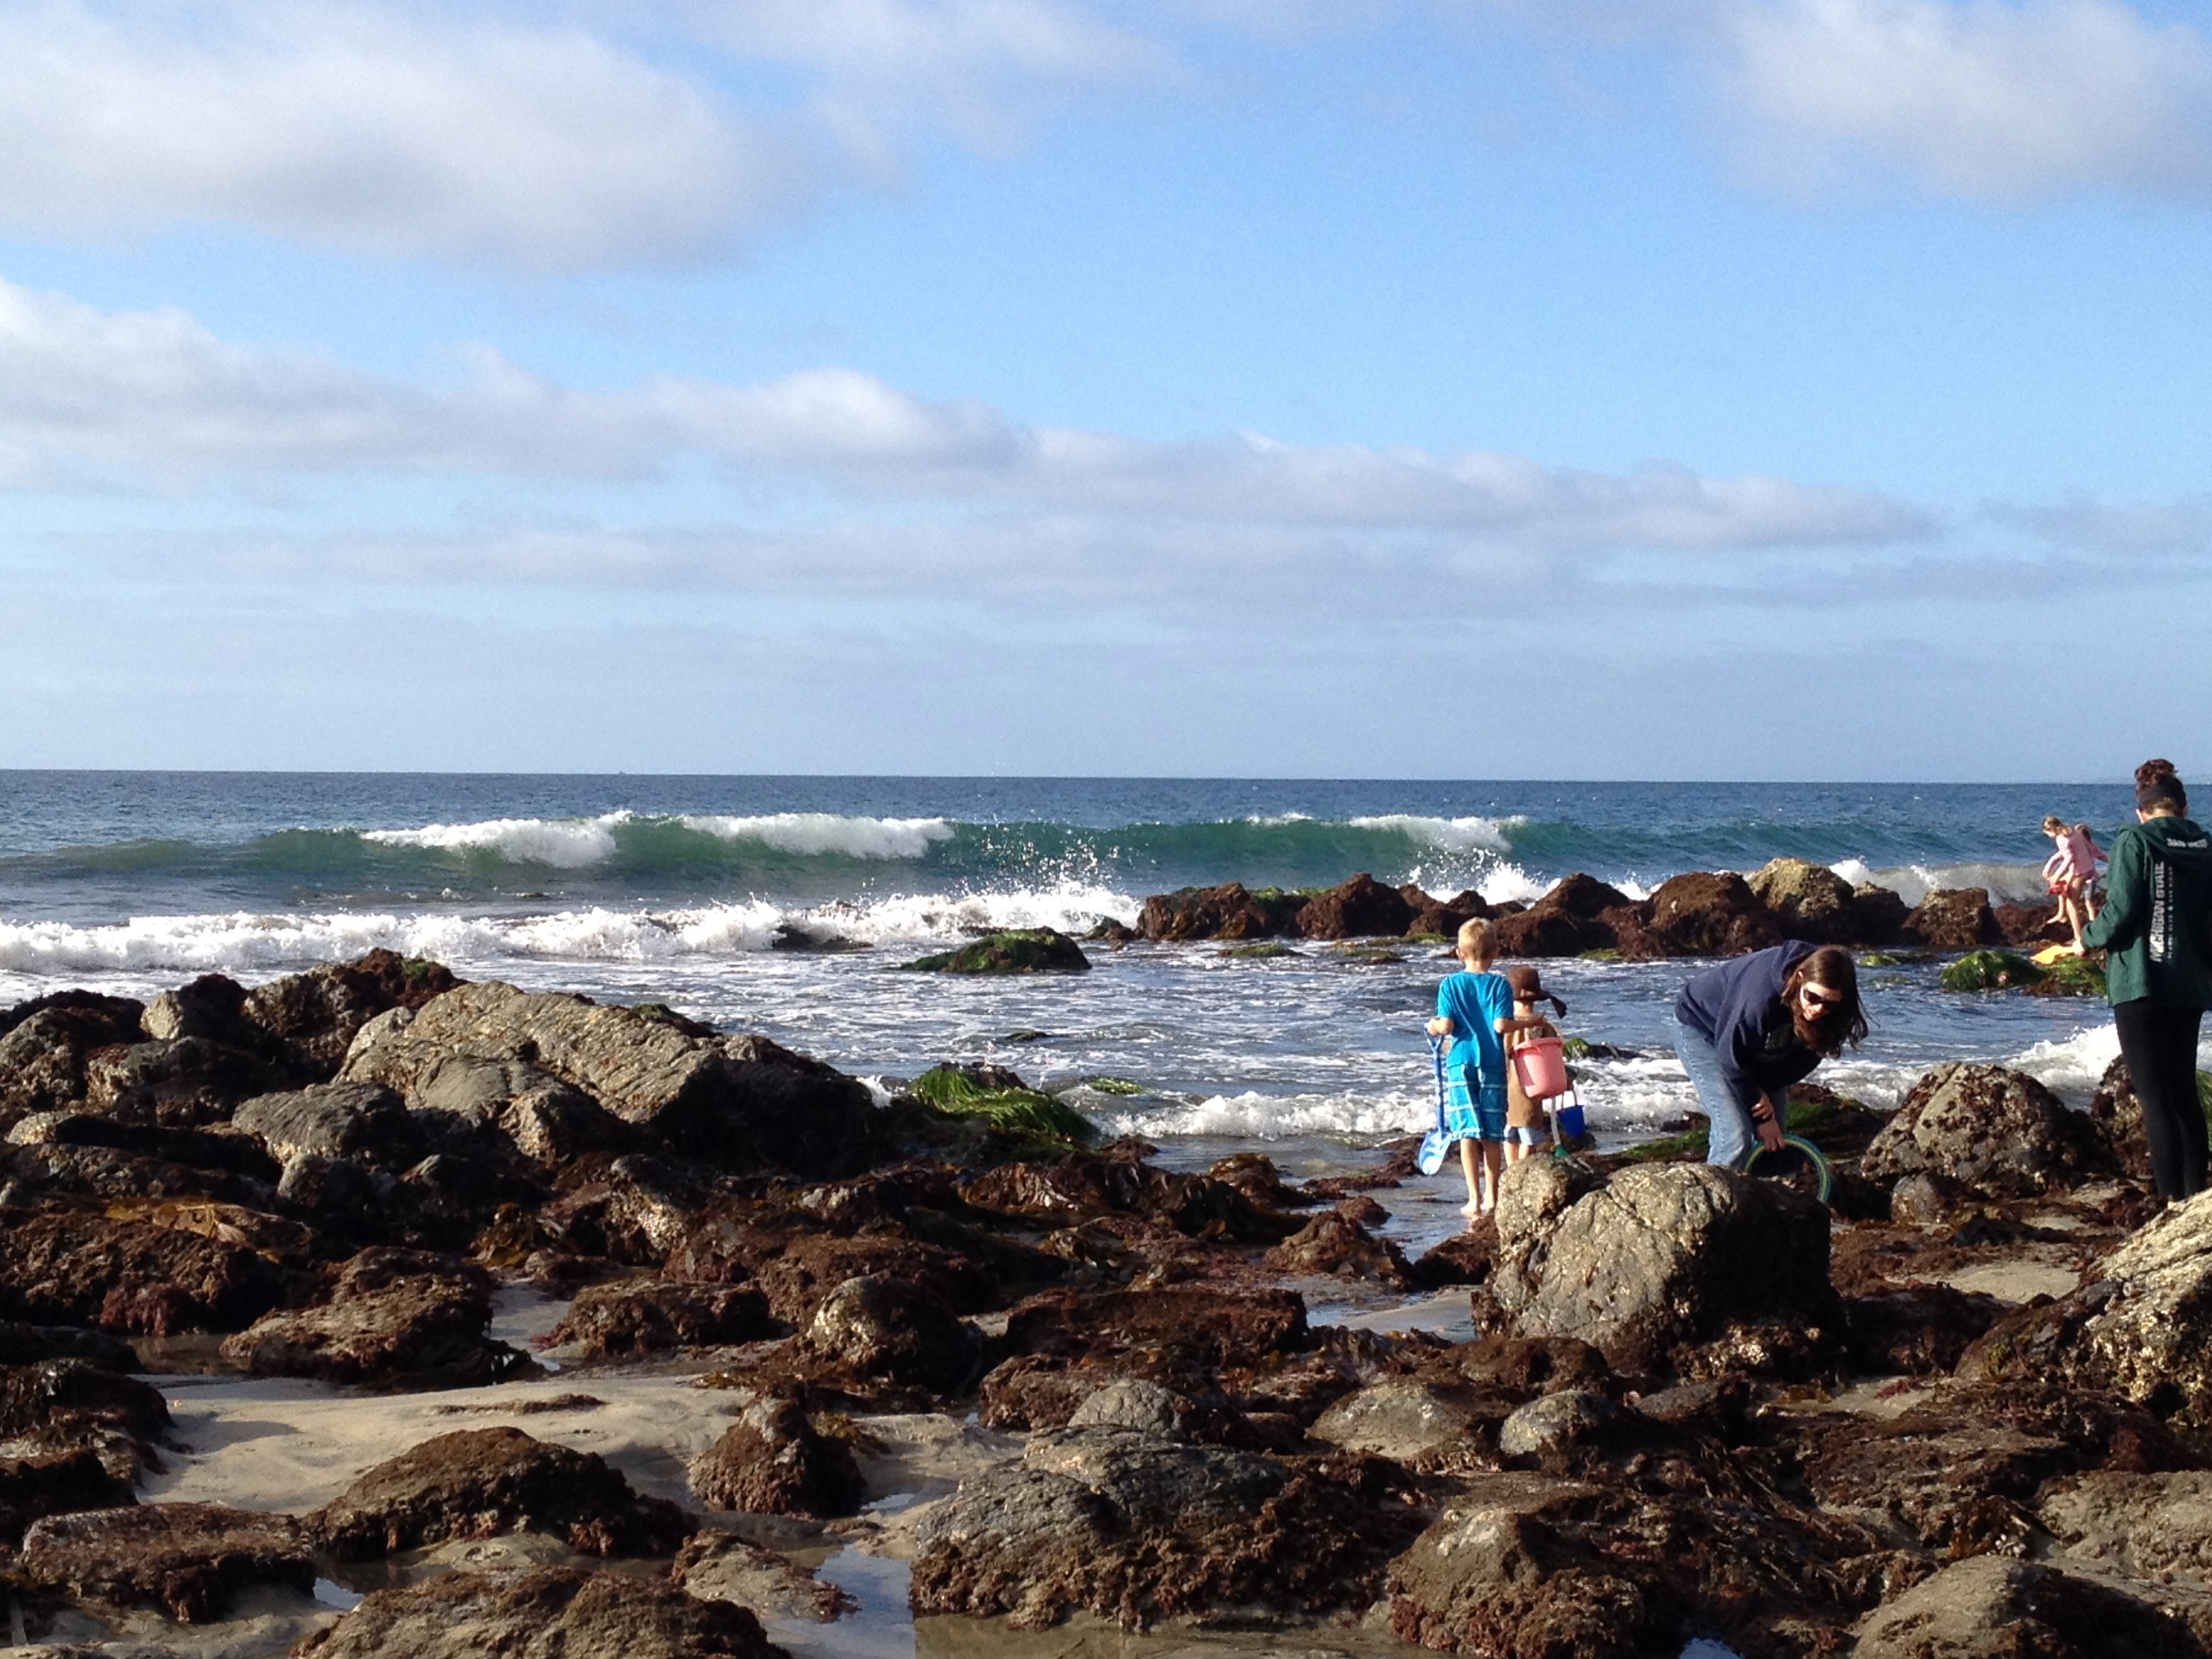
(1541, 931)
(546, 1612)
(774, 1461)
(63, 1268)
(1362, 907)
(317, 1013)
(481, 1483)
(184, 1083)
(417, 1328)
(62, 1483)
(1214, 1329)
(1988, 1607)
(189, 1560)
(1920, 1330)
(44, 1044)
(882, 1328)
(2117, 1117)
(720, 1566)
(1995, 1131)
(1954, 919)
(1226, 912)
(1701, 914)
(808, 1267)
(1879, 913)
(635, 1316)
(1134, 1528)
(2025, 924)
(1333, 1243)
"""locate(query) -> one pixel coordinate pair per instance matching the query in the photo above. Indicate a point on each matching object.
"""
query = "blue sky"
(1688, 388)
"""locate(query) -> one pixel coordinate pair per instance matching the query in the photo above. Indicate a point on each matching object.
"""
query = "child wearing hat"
(1528, 1126)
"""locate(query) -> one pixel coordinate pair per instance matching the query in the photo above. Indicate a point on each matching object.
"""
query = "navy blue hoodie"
(1737, 1007)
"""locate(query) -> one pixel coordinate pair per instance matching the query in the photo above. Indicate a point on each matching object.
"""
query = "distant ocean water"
(674, 889)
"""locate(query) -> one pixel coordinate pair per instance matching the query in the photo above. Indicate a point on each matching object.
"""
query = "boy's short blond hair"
(1475, 934)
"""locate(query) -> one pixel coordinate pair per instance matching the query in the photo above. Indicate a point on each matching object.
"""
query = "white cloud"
(2147, 530)
(487, 131)
(1998, 99)
(157, 396)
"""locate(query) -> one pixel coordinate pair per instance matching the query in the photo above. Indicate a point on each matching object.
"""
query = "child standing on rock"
(1527, 1125)
(1469, 1005)
(2070, 873)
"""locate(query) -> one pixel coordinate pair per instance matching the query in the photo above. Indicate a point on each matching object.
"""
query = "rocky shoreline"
(1696, 914)
(552, 1327)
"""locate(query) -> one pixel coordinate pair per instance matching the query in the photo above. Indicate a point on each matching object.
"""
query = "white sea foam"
(1255, 1116)
(1505, 883)
(2071, 1069)
(563, 843)
(814, 834)
(1448, 835)
(244, 941)
(2007, 884)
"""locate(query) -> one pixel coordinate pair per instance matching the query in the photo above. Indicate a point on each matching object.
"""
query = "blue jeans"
(1730, 1137)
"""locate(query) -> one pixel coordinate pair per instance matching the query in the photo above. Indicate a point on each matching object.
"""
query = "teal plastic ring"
(1812, 1156)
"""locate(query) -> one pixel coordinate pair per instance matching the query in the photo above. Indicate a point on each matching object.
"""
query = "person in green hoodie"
(2156, 928)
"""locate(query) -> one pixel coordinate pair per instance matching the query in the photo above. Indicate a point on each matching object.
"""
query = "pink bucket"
(1541, 1068)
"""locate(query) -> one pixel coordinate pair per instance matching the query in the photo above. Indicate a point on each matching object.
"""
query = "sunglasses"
(1821, 998)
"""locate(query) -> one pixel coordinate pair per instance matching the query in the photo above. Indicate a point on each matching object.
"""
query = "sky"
(1697, 389)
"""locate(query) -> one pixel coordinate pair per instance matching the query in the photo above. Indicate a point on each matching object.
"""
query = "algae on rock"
(1016, 951)
(1000, 1099)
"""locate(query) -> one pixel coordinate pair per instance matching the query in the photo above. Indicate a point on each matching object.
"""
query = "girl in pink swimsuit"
(2069, 874)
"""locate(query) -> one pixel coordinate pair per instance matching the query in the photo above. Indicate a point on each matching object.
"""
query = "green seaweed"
(957, 1092)
(1879, 959)
(1603, 953)
(1018, 951)
(1991, 970)
(2071, 977)
(1267, 950)
(1114, 1086)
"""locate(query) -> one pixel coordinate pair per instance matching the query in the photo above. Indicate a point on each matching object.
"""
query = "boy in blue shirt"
(1469, 1005)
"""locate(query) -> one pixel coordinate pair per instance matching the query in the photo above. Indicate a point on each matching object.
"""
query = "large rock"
(1224, 912)
(2151, 1525)
(720, 1566)
(1135, 1527)
(543, 1613)
(548, 1119)
(1401, 1418)
(1998, 1132)
(1703, 914)
(2115, 1113)
(1954, 919)
(60, 1407)
(188, 1560)
(1334, 1243)
(1577, 914)
(1361, 907)
(772, 1461)
(180, 1083)
(61, 1483)
(2151, 1338)
(635, 1316)
(741, 1102)
(1810, 901)
(1670, 1256)
(363, 1122)
(44, 1044)
(480, 1483)
(879, 1328)
(135, 1277)
(1991, 1608)
(316, 1014)
(390, 1320)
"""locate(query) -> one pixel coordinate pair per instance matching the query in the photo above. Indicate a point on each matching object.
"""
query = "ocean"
(675, 890)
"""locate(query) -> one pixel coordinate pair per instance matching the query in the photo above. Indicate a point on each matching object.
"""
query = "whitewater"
(695, 891)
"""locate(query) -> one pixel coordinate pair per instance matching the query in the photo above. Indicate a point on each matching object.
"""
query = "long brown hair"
(1832, 969)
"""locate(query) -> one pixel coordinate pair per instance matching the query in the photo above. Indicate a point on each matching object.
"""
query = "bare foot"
(1470, 1208)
